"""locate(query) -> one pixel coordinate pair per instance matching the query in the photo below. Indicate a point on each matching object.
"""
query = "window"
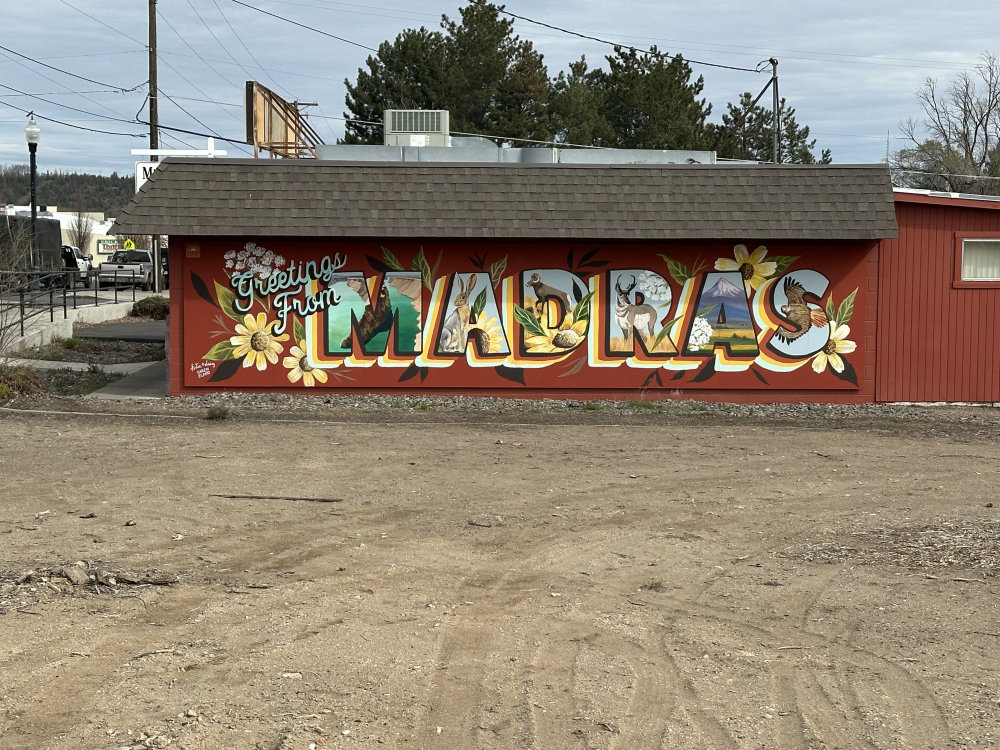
(981, 260)
(976, 260)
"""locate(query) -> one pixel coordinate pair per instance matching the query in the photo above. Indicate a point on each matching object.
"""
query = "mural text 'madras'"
(351, 318)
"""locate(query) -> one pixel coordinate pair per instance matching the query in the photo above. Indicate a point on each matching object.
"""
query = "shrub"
(155, 307)
(20, 381)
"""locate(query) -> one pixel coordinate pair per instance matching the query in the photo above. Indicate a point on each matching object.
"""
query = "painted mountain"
(731, 306)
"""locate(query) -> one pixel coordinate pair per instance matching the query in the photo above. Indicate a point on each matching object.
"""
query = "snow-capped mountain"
(725, 288)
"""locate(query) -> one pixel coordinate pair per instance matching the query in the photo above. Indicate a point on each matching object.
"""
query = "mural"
(313, 315)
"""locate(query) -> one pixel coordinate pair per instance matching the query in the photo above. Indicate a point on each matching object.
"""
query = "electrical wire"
(944, 174)
(121, 89)
(310, 28)
(235, 141)
(188, 45)
(69, 124)
(105, 25)
(662, 55)
(219, 41)
(64, 106)
(243, 44)
(52, 80)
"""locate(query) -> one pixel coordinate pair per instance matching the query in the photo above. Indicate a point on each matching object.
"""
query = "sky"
(850, 69)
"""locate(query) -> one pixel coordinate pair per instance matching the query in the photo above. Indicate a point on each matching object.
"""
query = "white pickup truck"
(128, 267)
(73, 259)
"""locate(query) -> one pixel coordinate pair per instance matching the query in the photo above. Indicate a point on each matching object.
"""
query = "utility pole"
(154, 135)
(776, 104)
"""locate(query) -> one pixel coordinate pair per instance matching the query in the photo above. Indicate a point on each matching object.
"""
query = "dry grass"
(948, 544)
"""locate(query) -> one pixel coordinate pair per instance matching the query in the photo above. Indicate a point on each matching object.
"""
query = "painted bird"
(798, 313)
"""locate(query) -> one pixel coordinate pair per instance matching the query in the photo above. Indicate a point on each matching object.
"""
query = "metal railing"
(29, 295)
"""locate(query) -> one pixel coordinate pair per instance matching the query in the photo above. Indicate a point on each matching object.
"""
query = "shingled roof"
(314, 198)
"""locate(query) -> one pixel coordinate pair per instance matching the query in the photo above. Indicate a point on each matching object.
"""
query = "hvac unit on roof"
(416, 127)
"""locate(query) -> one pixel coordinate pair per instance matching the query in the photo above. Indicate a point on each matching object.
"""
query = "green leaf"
(782, 262)
(479, 305)
(670, 323)
(496, 270)
(227, 301)
(391, 260)
(846, 309)
(298, 330)
(662, 334)
(528, 321)
(678, 271)
(420, 264)
(830, 314)
(582, 309)
(222, 350)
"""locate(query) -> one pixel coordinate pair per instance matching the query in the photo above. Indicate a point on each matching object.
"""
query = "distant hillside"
(68, 191)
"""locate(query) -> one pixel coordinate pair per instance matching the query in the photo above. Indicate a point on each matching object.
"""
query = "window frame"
(957, 281)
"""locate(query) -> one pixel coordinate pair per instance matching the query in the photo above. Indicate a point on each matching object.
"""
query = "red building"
(939, 301)
(721, 282)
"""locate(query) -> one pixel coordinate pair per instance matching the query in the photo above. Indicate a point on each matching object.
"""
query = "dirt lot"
(265, 582)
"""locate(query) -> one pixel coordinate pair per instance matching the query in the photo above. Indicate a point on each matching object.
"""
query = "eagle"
(797, 312)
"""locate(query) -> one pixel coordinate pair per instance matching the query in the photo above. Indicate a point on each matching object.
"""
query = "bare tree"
(15, 249)
(81, 231)
(956, 147)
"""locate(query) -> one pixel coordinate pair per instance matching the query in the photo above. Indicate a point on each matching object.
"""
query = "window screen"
(981, 260)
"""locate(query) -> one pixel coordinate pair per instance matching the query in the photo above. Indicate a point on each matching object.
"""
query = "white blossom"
(654, 286)
(260, 261)
(701, 334)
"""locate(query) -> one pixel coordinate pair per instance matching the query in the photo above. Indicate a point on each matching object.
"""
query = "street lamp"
(31, 135)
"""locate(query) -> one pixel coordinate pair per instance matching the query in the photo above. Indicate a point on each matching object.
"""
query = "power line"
(216, 38)
(188, 45)
(310, 28)
(630, 48)
(945, 174)
(71, 125)
(234, 141)
(105, 25)
(64, 106)
(240, 40)
(122, 89)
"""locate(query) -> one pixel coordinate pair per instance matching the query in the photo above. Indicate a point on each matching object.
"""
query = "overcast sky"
(849, 68)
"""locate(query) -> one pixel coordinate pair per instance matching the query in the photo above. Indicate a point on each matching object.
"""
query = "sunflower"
(492, 337)
(560, 339)
(751, 266)
(300, 369)
(255, 342)
(834, 347)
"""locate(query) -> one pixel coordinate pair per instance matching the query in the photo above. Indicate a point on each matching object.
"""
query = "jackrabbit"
(456, 325)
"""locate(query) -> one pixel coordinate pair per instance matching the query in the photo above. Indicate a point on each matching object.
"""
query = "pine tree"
(491, 82)
(747, 132)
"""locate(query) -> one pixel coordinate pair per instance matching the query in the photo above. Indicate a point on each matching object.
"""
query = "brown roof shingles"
(310, 198)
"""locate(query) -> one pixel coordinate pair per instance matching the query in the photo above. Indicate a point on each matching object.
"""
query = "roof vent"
(416, 127)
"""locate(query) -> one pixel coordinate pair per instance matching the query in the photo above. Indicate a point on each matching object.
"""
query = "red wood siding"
(936, 343)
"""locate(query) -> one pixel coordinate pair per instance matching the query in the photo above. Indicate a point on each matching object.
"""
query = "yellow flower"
(560, 339)
(255, 342)
(752, 266)
(835, 346)
(300, 369)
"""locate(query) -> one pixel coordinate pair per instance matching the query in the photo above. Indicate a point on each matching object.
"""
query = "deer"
(630, 316)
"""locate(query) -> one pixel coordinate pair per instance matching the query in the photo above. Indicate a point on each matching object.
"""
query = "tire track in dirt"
(460, 693)
(821, 689)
